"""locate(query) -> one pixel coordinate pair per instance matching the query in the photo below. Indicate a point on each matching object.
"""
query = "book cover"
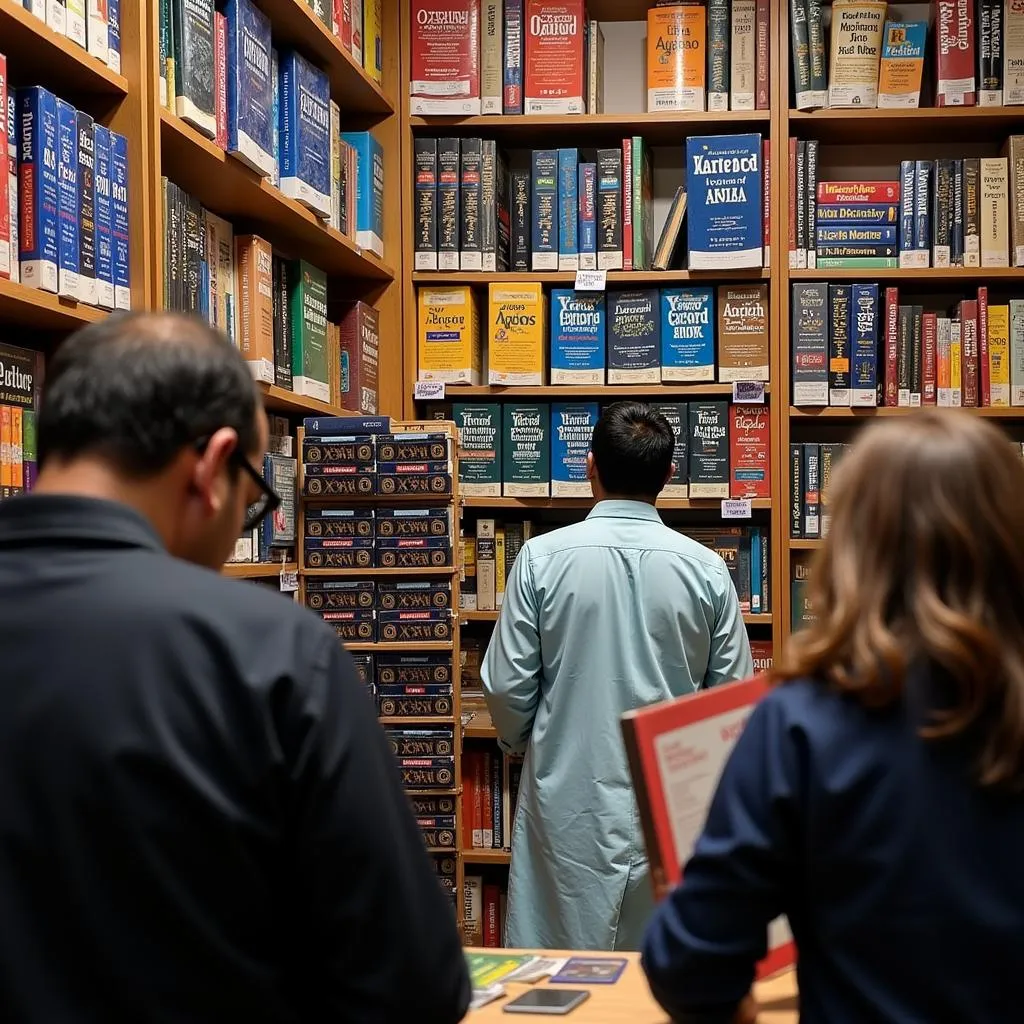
(800, 55)
(839, 393)
(864, 318)
(762, 28)
(577, 337)
(749, 452)
(677, 414)
(373, 42)
(634, 337)
(796, 492)
(449, 336)
(193, 36)
(304, 133)
(568, 210)
(882, 215)
(516, 334)
(445, 57)
(250, 94)
(902, 64)
(994, 199)
(687, 334)
(587, 187)
(809, 323)
(491, 56)
(513, 59)
(87, 288)
(643, 204)
(74, 18)
(724, 216)
(954, 53)
(609, 209)
(470, 204)
(254, 260)
(67, 201)
(554, 75)
(856, 51)
(817, 55)
(221, 258)
(358, 48)
(480, 432)
(572, 427)
(104, 219)
(743, 69)
(308, 318)
(1013, 151)
(425, 198)
(526, 450)
(742, 333)
(811, 473)
(1013, 53)
(360, 357)
(493, 208)
(544, 210)
(989, 50)
(369, 190)
(38, 188)
(520, 220)
(114, 36)
(283, 328)
(999, 354)
(121, 213)
(709, 449)
(220, 79)
(449, 176)
(1016, 352)
(679, 51)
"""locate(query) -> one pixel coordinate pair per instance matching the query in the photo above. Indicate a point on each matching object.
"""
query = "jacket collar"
(70, 519)
(625, 510)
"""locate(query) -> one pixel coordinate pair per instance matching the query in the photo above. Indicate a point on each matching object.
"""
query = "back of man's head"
(135, 389)
(632, 451)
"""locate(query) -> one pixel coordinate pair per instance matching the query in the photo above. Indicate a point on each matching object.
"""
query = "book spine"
(588, 216)
(96, 29)
(956, 238)
(971, 212)
(1017, 352)
(9, 169)
(766, 201)
(891, 379)
(999, 354)
(521, 221)
(864, 345)
(810, 344)
(811, 468)
(544, 211)
(491, 57)
(121, 212)
(425, 185)
(743, 56)
(512, 70)
(74, 23)
(985, 380)
(817, 54)
(1013, 54)
(839, 391)
(220, 80)
(113, 57)
(38, 188)
(358, 37)
(990, 53)
(995, 236)
(763, 30)
(916, 356)
(448, 203)
(796, 492)
(922, 209)
(810, 192)
(801, 54)
(609, 209)
(956, 362)
(929, 358)
(568, 210)
(627, 204)
(719, 62)
(1014, 150)
(489, 206)
(68, 225)
(955, 53)
(104, 220)
(942, 340)
(794, 205)
(969, 353)
(907, 225)
(193, 55)
(87, 289)
(801, 205)
(942, 213)
(554, 72)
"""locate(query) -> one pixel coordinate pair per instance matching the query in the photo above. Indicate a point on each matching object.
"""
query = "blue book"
(634, 337)
(866, 235)
(37, 187)
(864, 320)
(250, 87)
(922, 209)
(856, 215)
(724, 202)
(756, 605)
(104, 220)
(114, 35)
(305, 133)
(544, 210)
(345, 426)
(572, 427)
(568, 210)
(512, 63)
(10, 118)
(577, 337)
(275, 128)
(369, 190)
(67, 201)
(687, 334)
(86, 210)
(119, 193)
(588, 216)
(908, 227)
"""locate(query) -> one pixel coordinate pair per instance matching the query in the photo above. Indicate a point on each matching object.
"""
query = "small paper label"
(289, 581)
(736, 508)
(748, 392)
(591, 280)
(428, 390)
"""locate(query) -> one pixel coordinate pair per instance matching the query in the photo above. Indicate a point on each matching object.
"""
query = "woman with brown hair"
(876, 795)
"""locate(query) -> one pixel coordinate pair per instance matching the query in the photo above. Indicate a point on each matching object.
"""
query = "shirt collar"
(625, 510)
(65, 518)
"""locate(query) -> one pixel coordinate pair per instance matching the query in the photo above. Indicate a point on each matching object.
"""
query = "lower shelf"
(385, 648)
(487, 856)
(256, 570)
(837, 412)
(751, 619)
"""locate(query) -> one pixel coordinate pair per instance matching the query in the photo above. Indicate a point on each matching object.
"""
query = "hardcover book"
(577, 337)
(517, 332)
(449, 336)
(470, 203)
(373, 53)
(687, 334)
(445, 57)
(308, 318)
(709, 449)
(609, 209)
(856, 50)
(104, 220)
(121, 211)
(544, 209)
(513, 59)
(634, 337)
(193, 39)
(305, 145)
(955, 53)
(479, 448)
(677, 55)
(572, 427)
(220, 244)
(360, 354)
(67, 201)
(491, 56)
(96, 29)
(425, 210)
(743, 70)
(742, 333)
(520, 220)
(864, 322)
(369, 190)
(8, 253)
(568, 210)
(902, 65)
(448, 203)
(74, 18)
(809, 320)
(554, 78)
(677, 415)
(749, 452)
(87, 290)
(254, 259)
(1013, 53)
(250, 94)
(587, 187)
(526, 450)
(38, 188)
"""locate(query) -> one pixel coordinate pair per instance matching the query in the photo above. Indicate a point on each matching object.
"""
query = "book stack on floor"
(64, 199)
(94, 25)
(21, 381)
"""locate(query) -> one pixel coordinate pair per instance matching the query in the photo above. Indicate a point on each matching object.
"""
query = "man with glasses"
(200, 819)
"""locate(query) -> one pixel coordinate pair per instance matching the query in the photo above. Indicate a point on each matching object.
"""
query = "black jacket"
(200, 819)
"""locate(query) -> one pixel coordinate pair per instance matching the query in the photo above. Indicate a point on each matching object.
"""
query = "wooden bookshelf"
(995, 412)
(487, 856)
(678, 504)
(257, 570)
(560, 392)
(21, 306)
(639, 278)
(283, 401)
(921, 124)
(492, 617)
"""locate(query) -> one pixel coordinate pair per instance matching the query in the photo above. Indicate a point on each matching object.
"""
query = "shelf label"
(591, 280)
(748, 392)
(736, 508)
(289, 581)
(428, 391)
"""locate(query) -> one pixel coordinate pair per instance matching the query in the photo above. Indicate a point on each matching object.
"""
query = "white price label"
(591, 280)
(428, 390)
(748, 392)
(736, 508)
(289, 581)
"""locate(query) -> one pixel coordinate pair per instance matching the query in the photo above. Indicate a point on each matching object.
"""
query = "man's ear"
(671, 473)
(591, 467)
(210, 466)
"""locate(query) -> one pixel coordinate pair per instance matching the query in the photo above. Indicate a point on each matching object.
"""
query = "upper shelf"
(284, 401)
(34, 308)
(294, 24)
(546, 392)
(232, 190)
(525, 130)
(920, 124)
(636, 278)
(929, 275)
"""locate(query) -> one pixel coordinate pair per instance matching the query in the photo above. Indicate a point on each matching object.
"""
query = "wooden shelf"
(923, 124)
(749, 618)
(528, 130)
(417, 721)
(668, 504)
(487, 856)
(843, 413)
(796, 544)
(356, 500)
(282, 400)
(234, 191)
(295, 25)
(758, 619)
(371, 571)
(480, 727)
(392, 648)
(633, 278)
(942, 276)
(555, 392)
(33, 308)
(257, 570)
(37, 54)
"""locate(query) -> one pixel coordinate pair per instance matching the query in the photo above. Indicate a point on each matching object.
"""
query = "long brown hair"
(924, 564)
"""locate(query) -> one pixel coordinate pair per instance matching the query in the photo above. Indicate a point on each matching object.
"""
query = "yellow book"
(856, 51)
(677, 58)
(449, 336)
(517, 335)
(373, 61)
(499, 566)
(955, 377)
(467, 575)
(999, 354)
(5, 451)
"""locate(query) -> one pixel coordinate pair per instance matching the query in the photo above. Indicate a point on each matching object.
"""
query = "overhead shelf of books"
(26, 307)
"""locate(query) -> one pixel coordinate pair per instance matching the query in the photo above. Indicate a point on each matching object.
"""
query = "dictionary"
(687, 334)
(67, 200)
(250, 87)
(577, 337)
(37, 187)
(572, 427)
(305, 133)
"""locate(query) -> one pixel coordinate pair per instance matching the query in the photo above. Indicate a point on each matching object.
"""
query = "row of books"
(483, 912)
(64, 203)
(357, 25)
(811, 466)
(274, 539)
(95, 25)
(856, 345)
(570, 209)
(490, 788)
(938, 213)
(540, 57)
(21, 382)
(642, 336)
(518, 449)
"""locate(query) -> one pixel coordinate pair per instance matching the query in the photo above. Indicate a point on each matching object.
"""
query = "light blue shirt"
(599, 618)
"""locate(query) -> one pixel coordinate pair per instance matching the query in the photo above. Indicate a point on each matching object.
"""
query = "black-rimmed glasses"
(268, 500)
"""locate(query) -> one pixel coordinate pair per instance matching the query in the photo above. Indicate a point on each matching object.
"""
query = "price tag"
(748, 392)
(289, 581)
(591, 280)
(428, 390)
(736, 508)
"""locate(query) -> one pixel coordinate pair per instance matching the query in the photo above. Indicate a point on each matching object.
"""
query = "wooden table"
(629, 1000)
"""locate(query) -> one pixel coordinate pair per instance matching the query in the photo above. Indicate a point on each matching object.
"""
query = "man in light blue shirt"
(601, 617)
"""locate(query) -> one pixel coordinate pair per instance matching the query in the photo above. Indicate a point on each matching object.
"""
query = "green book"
(643, 204)
(526, 450)
(308, 321)
(856, 263)
(479, 448)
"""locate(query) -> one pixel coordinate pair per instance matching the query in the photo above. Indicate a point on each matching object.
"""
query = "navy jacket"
(200, 819)
(903, 881)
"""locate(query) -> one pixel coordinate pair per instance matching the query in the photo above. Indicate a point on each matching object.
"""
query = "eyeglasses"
(268, 500)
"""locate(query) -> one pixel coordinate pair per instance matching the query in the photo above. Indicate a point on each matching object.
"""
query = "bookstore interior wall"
(300, 178)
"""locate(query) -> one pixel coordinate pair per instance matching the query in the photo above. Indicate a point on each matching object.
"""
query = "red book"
(954, 54)
(487, 806)
(360, 349)
(892, 343)
(220, 82)
(445, 57)
(492, 900)
(985, 394)
(6, 253)
(762, 653)
(343, 22)
(478, 801)
(627, 204)
(766, 199)
(466, 801)
(871, 193)
(929, 358)
(792, 203)
(762, 28)
(968, 310)
(749, 452)
(555, 62)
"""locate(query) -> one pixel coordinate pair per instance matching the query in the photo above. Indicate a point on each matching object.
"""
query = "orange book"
(17, 451)
(676, 57)
(5, 451)
(254, 260)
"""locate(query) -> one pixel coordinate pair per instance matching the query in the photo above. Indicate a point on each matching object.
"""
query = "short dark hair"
(137, 388)
(632, 447)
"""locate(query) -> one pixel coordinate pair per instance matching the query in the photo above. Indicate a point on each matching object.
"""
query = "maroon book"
(360, 345)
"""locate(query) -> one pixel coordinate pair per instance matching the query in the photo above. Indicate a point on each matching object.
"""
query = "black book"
(425, 216)
(87, 210)
(520, 221)
(796, 491)
(283, 349)
(448, 178)
(194, 70)
(609, 209)
(709, 449)
(471, 203)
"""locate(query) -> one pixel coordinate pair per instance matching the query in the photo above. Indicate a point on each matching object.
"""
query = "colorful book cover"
(568, 210)
(87, 290)
(588, 216)
(526, 450)
(305, 122)
(634, 337)
(902, 67)
(471, 158)
(864, 321)
(445, 57)
(572, 427)
(479, 448)
(609, 209)
(687, 334)
(512, 65)
(743, 333)
(577, 337)
(67, 201)
(954, 53)
(7, 252)
(121, 212)
(11, 116)
(369, 190)
(360, 359)
(449, 336)
(250, 87)
(114, 35)
(425, 211)
(554, 75)
(517, 333)
(308, 316)
(749, 452)
(275, 117)
(38, 188)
